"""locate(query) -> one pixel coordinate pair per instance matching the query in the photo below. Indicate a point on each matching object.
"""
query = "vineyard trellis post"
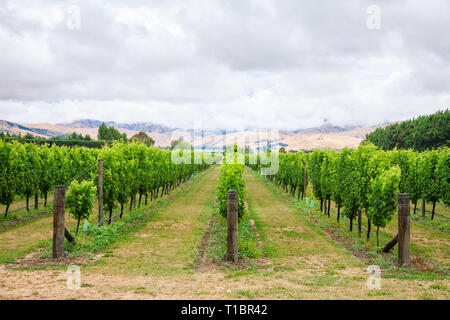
(403, 229)
(100, 192)
(59, 207)
(232, 235)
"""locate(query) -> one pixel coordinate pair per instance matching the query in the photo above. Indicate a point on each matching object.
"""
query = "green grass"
(290, 237)
(21, 240)
(24, 217)
(285, 219)
(428, 243)
(245, 294)
(167, 241)
(379, 293)
(217, 246)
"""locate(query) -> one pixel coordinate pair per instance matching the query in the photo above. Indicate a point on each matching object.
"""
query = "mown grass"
(166, 242)
(19, 218)
(298, 259)
(217, 246)
(428, 245)
(17, 242)
(324, 268)
(20, 202)
(285, 232)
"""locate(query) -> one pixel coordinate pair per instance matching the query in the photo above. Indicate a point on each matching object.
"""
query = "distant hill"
(325, 136)
(139, 126)
(14, 128)
(85, 123)
(326, 128)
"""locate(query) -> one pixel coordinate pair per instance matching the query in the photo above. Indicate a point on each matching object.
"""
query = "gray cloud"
(254, 63)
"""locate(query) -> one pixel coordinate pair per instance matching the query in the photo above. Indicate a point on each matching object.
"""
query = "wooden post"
(59, 208)
(100, 192)
(403, 230)
(232, 236)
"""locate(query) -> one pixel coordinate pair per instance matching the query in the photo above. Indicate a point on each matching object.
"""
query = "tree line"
(424, 133)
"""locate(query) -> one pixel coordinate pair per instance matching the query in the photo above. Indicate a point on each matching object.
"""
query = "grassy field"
(165, 257)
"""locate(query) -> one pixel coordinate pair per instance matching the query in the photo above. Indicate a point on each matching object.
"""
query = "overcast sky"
(285, 64)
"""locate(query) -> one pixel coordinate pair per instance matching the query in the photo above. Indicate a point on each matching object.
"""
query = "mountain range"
(325, 136)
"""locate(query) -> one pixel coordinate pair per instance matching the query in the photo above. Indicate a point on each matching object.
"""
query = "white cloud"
(286, 64)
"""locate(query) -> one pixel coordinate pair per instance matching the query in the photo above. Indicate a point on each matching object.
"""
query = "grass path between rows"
(315, 266)
(426, 240)
(16, 242)
(167, 244)
(163, 248)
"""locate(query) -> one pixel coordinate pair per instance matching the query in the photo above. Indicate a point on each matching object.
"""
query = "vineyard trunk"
(36, 200)
(432, 211)
(423, 208)
(359, 222)
(78, 225)
(110, 214)
(329, 206)
(378, 239)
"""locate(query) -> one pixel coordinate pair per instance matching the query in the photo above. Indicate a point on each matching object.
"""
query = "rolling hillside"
(326, 136)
